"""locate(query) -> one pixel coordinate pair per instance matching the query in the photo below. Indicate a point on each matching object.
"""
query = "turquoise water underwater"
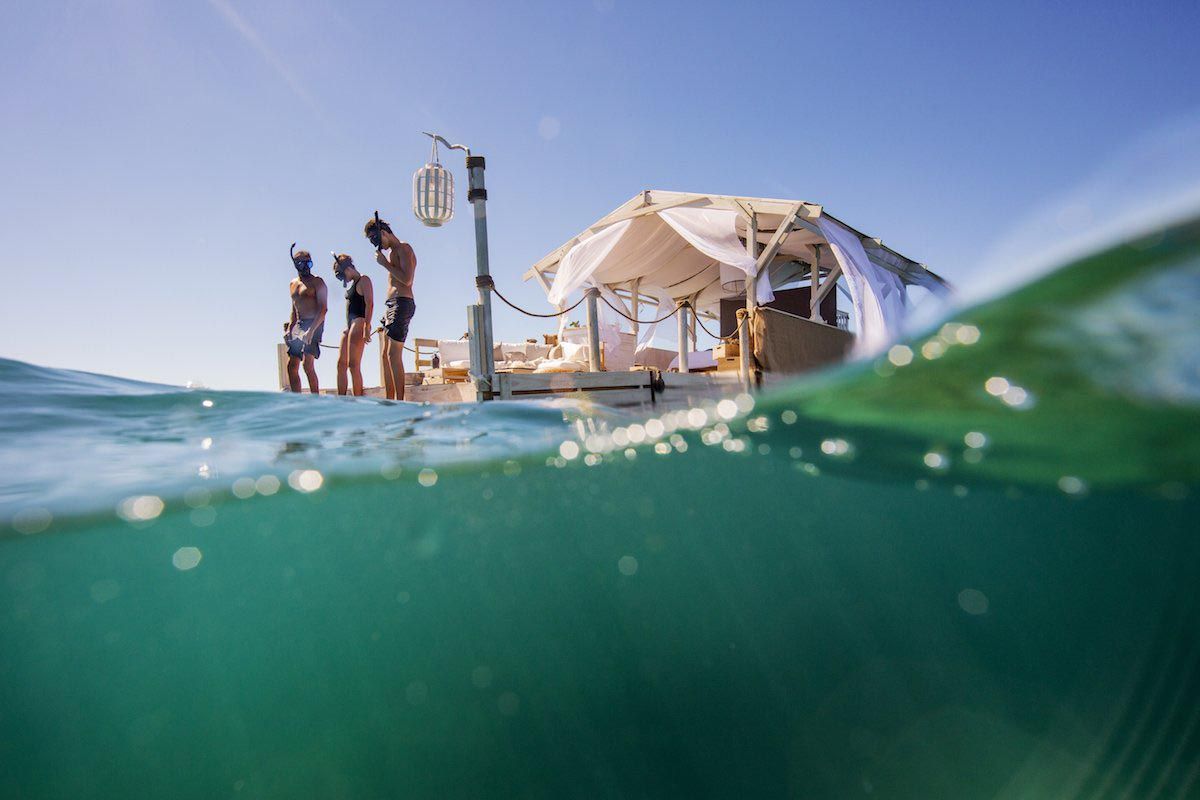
(965, 569)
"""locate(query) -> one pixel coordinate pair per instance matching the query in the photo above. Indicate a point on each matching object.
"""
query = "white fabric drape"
(678, 248)
(878, 296)
(713, 231)
(582, 261)
(665, 304)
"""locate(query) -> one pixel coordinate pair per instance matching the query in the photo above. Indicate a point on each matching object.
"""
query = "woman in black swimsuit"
(360, 305)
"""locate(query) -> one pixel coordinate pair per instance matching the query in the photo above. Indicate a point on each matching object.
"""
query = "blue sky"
(158, 158)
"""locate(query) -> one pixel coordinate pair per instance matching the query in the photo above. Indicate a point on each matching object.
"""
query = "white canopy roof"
(671, 246)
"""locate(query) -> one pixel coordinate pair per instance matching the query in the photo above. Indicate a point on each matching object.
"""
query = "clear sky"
(158, 158)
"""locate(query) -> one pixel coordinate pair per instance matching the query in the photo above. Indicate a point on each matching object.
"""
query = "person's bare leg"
(396, 361)
(343, 363)
(293, 371)
(310, 369)
(354, 347)
(385, 368)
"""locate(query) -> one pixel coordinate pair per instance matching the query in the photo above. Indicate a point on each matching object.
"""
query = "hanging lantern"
(433, 192)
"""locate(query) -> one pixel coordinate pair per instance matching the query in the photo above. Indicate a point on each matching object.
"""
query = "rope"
(485, 281)
(706, 330)
(684, 304)
(643, 321)
(377, 330)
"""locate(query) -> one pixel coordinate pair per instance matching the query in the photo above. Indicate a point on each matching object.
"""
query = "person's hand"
(366, 334)
(380, 258)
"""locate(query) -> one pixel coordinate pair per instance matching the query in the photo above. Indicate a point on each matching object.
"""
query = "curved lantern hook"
(436, 138)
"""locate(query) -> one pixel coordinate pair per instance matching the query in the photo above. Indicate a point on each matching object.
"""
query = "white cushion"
(574, 352)
(500, 350)
(696, 360)
(535, 351)
(450, 350)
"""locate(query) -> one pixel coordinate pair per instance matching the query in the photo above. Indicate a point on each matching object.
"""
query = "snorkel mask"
(303, 266)
(339, 268)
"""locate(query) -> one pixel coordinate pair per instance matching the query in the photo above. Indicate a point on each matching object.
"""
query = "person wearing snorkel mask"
(360, 305)
(307, 323)
(401, 264)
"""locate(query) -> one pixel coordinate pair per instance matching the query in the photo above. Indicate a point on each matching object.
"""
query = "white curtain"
(615, 254)
(713, 231)
(582, 261)
(664, 307)
(878, 295)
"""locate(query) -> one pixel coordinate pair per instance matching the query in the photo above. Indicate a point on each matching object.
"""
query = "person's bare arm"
(367, 290)
(294, 316)
(322, 308)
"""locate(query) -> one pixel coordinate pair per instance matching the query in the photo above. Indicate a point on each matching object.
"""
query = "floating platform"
(635, 388)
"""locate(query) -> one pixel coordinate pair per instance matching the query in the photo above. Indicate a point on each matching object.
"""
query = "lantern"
(433, 192)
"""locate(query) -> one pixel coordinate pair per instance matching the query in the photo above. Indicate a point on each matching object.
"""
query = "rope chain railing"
(644, 321)
(485, 281)
(728, 338)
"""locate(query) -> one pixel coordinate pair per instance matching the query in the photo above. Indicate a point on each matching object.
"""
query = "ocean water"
(967, 568)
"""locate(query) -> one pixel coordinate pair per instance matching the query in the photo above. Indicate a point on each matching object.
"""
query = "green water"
(887, 581)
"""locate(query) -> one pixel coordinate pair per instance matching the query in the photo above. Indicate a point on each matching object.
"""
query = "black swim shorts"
(396, 316)
(294, 339)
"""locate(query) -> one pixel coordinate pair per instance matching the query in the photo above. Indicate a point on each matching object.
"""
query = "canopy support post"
(814, 282)
(827, 286)
(593, 332)
(743, 326)
(692, 321)
(683, 338)
(636, 306)
(751, 303)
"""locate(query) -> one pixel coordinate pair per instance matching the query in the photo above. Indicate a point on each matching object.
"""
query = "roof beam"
(781, 233)
(830, 281)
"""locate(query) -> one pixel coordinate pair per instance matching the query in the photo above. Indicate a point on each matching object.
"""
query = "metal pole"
(593, 331)
(814, 282)
(477, 196)
(478, 351)
(683, 338)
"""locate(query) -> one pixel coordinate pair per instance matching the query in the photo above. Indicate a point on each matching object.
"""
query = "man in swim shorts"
(307, 324)
(401, 265)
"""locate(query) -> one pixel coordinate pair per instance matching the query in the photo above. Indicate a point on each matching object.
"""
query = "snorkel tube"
(378, 232)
